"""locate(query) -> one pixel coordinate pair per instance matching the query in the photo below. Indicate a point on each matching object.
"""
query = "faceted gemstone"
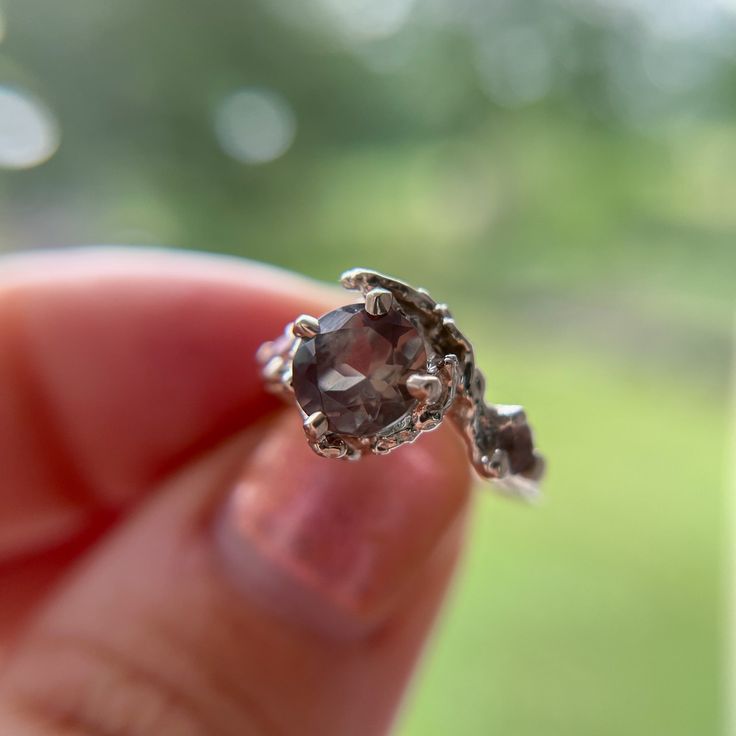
(355, 369)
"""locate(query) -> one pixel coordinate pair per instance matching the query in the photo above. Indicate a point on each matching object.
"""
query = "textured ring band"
(371, 376)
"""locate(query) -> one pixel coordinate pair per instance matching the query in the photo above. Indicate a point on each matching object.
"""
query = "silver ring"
(371, 376)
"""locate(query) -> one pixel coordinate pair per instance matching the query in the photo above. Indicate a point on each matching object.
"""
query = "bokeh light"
(255, 125)
(365, 20)
(29, 133)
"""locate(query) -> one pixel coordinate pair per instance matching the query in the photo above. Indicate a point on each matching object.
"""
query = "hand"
(174, 560)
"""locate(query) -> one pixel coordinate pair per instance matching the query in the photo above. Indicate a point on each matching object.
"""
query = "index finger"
(119, 365)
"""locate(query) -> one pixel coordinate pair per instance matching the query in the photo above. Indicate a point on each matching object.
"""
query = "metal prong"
(424, 387)
(315, 426)
(265, 352)
(378, 301)
(305, 326)
(272, 370)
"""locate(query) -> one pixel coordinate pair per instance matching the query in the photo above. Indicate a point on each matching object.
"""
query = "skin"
(173, 559)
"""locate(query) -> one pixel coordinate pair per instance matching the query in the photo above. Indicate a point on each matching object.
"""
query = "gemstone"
(355, 370)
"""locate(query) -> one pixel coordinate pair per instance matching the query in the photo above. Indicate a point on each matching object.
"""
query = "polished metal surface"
(315, 426)
(378, 302)
(305, 326)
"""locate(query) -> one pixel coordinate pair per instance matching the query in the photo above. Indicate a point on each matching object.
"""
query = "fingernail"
(335, 544)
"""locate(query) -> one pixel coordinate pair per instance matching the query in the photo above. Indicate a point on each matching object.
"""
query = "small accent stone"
(517, 441)
(355, 369)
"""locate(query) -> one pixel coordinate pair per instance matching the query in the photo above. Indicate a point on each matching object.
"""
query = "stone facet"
(355, 370)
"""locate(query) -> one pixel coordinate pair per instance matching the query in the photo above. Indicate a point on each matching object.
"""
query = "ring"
(371, 376)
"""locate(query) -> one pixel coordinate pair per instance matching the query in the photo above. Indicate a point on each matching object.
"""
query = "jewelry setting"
(373, 375)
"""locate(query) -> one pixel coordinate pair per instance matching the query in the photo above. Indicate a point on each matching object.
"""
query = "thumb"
(288, 596)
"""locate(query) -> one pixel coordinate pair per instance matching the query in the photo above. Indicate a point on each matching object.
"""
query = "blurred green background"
(563, 173)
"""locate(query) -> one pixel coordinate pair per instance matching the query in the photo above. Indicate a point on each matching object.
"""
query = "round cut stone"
(355, 369)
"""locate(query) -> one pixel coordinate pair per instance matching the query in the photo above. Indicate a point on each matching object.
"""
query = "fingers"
(116, 366)
(285, 595)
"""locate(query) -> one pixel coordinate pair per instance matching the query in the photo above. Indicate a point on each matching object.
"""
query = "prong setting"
(424, 387)
(315, 426)
(378, 302)
(447, 386)
(305, 326)
(273, 369)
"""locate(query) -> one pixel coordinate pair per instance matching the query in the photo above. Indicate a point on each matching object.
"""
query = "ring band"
(372, 376)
